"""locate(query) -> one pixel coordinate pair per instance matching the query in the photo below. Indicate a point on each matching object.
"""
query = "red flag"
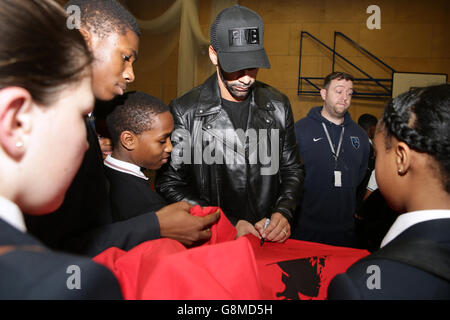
(224, 268)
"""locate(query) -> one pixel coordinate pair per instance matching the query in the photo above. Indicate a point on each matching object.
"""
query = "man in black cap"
(234, 143)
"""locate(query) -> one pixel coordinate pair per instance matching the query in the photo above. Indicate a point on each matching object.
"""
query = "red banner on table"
(224, 268)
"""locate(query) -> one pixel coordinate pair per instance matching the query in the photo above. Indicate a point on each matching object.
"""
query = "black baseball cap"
(237, 35)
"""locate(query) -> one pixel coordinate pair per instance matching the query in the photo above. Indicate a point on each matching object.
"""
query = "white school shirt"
(124, 167)
(372, 184)
(11, 213)
(407, 220)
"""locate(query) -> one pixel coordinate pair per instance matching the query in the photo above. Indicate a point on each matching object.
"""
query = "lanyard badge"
(337, 178)
(337, 174)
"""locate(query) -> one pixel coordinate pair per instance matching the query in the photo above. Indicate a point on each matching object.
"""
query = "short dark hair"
(134, 111)
(429, 132)
(104, 17)
(366, 121)
(37, 50)
(337, 75)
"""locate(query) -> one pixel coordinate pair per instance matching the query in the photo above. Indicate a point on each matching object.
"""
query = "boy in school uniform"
(140, 126)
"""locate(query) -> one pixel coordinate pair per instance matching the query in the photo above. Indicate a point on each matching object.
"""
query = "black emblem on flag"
(301, 276)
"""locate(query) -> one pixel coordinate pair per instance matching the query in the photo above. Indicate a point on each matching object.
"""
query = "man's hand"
(244, 227)
(177, 223)
(278, 230)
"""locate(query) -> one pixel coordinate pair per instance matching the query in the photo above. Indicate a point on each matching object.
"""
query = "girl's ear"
(128, 140)
(402, 158)
(16, 106)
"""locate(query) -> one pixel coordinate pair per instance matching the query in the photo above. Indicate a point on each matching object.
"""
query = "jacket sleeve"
(292, 172)
(342, 288)
(28, 274)
(175, 180)
(122, 234)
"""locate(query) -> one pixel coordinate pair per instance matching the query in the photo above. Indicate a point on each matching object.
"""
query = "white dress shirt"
(11, 213)
(407, 220)
(124, 167)
(372, 184)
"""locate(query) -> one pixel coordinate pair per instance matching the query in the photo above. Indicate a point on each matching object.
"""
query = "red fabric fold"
(222, 230)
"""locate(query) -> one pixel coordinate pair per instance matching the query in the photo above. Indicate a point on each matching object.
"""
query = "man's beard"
(238, 95)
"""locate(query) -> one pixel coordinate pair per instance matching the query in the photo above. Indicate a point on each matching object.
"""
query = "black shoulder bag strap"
(426, 255)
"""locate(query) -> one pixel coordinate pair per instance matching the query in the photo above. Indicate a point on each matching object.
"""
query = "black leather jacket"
(248, 184)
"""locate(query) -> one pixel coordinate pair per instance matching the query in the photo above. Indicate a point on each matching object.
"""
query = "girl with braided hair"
(412, 144)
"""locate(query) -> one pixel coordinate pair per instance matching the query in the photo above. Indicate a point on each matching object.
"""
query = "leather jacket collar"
(210, 99)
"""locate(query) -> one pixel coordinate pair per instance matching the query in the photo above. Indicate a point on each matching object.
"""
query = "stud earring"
(19, 144)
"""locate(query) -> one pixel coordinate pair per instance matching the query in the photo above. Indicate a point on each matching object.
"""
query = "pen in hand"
(265, 226)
